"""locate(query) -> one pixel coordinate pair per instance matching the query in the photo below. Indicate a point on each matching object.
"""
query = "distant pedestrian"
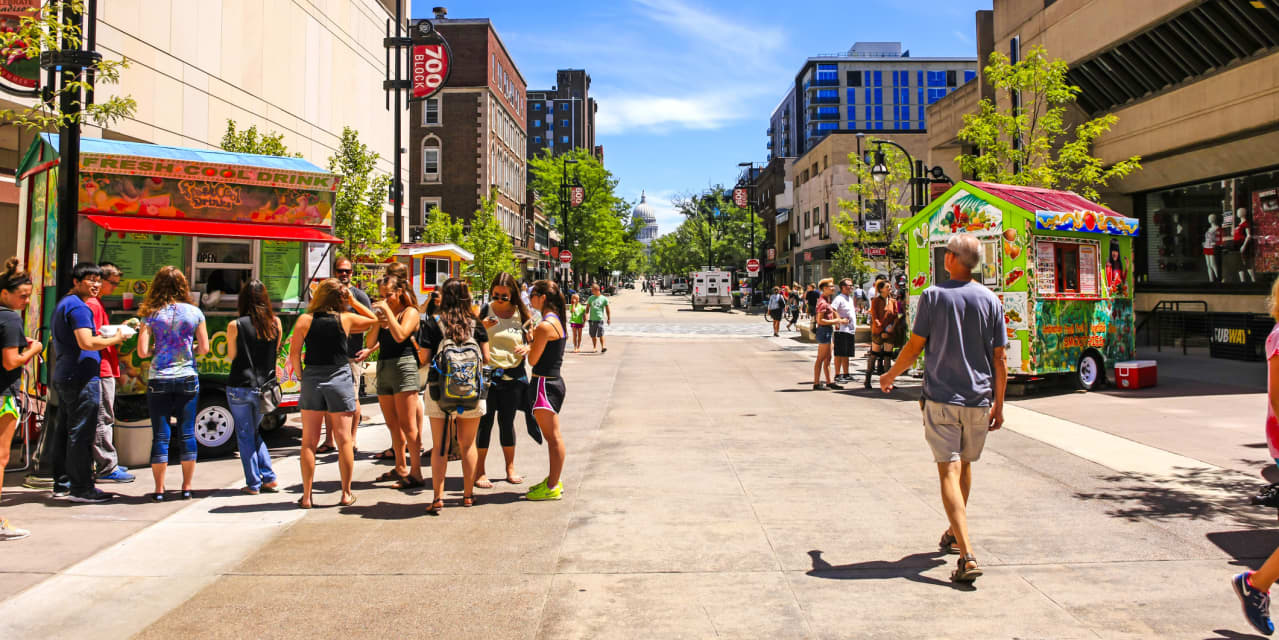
(599, 315)
(810, 300)
(859, 297)
(825, 320)
(16, 351)
(577, 320)
(328, 391)
(1253, 587)
(845, 337)
(776, 306)
(105, 459)
(885, 323)
(173, 384)
(546, 395)
(960, 329)
(794, 302)
(253, 343)
(507, 321)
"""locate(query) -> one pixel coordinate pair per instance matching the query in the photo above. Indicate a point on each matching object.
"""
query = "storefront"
(223, 218)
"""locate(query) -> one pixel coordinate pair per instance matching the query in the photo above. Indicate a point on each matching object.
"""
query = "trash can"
(1239, 336)
(133, 442)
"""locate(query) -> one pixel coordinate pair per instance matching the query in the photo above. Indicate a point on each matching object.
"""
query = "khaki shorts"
(955, 433)
(433, 409)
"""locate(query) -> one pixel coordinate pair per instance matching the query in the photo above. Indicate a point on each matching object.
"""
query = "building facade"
(562, 118)
(644, 214)
(768, 191)
(874, 86)
(187, 84)
(1193, 86)
(467, 142)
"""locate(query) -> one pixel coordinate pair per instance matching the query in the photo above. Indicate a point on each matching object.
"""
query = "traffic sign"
(566, 256)
(752, 267)
(576, 195)
(739, 197)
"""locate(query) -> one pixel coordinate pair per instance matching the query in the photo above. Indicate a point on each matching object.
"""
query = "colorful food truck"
(1062, 266)
(223, 218)
(429, 264)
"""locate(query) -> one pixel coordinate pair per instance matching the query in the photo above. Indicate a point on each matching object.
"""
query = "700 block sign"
(430, 69)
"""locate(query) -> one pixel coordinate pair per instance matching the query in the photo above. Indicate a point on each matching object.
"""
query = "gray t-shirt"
(355, 341)
(963, 323)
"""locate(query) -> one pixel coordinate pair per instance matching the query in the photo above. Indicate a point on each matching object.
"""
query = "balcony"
(770, 144)
(832, 115)
(821, 82)
(823, 100)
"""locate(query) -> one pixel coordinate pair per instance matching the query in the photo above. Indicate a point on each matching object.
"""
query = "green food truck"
(223, 218)
(1061, 265)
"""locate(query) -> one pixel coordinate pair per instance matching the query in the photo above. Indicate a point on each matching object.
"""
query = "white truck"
(678, 286)
(712, 289)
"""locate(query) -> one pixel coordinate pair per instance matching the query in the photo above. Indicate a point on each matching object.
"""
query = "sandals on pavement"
(388, 454)
(325, 448)
(948, 543)
(964, 573)
(468, 501)
(434, 509)
(390, 476)
(408, 482)
(347, 503)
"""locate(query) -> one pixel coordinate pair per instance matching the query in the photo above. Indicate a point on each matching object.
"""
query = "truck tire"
(1091, 371)
(214, 426)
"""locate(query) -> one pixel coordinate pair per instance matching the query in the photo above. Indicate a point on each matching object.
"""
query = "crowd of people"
(454, 362)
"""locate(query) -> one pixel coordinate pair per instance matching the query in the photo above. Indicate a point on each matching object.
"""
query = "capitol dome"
(645, 213)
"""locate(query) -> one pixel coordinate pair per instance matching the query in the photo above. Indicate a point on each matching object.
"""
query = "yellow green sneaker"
(541, 492)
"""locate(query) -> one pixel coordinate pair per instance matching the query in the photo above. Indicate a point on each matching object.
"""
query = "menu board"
(1087, 270)
(281, 269)
(1046, 267)
(139, 256)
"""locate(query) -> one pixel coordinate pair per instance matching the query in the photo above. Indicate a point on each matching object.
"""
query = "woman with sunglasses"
(547, 387)
(506, 319)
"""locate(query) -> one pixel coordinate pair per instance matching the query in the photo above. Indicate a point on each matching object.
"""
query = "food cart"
(1047, 255)
(223, 218)
(429, 264)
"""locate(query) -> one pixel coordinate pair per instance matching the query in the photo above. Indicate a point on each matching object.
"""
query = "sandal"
(390, 476)
(468, 501)
(434, 509)
(963, 573)
(948, 543)
(389, 454)
(325, 448)
(303, 506)
(408, 482)
(347, 503)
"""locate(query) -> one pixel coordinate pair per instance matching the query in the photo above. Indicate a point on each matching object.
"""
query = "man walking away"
(845, 334)
(599, 314)
(960, 329)
(76, 373)
(105, 458)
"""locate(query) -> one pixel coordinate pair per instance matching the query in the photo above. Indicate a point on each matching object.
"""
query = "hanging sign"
(576, 196)
(739, 197)
(19, 74)
(430, 62)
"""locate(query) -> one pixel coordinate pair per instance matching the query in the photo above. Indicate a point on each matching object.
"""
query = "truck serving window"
(1066, 269)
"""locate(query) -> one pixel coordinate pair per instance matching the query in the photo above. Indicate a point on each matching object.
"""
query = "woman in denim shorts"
(825, 319)
(328, 389)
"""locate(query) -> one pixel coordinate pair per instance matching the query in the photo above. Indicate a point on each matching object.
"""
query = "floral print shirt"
(173, 328)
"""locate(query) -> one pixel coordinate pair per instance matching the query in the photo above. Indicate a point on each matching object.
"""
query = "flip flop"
(325, 448)
(389, 476)
(303, 506)
(388, 454)
(408, 482)
(344, 503)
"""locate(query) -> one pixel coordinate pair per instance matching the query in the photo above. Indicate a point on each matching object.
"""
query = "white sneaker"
(10, 532)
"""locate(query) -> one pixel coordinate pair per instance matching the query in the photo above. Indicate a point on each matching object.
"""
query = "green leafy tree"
(358, 211)
(44, 31)
(596, 231)
(250, 141)
(850, 260)
(490, 245)
(442, 228)
(728, 232)
(1036, 144)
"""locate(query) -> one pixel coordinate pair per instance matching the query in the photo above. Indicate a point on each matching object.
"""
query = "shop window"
(1066, 269)
(223, 265)
(434, 272)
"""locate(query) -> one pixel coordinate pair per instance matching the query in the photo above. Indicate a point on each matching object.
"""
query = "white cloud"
(738, 38)
(962, 37)
(660, 114)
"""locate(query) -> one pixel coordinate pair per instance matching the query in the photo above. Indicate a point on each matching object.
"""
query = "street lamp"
(920, 175)
(750, 209)
(565, 207)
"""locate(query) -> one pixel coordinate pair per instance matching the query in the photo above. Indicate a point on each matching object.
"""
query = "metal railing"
(1174, 321)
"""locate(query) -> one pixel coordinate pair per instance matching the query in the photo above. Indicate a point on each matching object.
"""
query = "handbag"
(269, 393)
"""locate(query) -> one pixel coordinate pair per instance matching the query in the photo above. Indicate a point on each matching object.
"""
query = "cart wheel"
(214, 426)
(1091, 372)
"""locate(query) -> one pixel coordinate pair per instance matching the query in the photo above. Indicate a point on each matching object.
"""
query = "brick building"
(562, 118)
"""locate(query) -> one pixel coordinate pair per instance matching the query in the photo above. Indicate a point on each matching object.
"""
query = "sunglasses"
(502, 298)
(342, 270)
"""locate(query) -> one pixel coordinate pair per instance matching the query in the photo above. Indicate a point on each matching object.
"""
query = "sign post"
(752, 267)
(576, 195)
(566, 256)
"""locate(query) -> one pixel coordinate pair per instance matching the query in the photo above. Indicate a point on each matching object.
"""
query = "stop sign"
(752, 266)
(566, 256)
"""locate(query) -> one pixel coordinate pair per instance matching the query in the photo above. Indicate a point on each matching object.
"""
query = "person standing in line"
(960, 329)
(105, 458)
(457, 323)
(546, 397)
(776, 305)
(16, 350)
(577, 320)
(826, 320)
(76, 369)
(397, 377)
(846, 333)
(328, 391)
(1253, 587)
(253, 342)
(173, 384)
(344, 269)
(600, 313)
(507, 321)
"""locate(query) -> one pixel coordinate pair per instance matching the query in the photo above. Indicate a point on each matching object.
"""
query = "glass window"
(854, 79)
(537, 123)
(851, 95)
(936, 94)
(537, 106)
(919, 81)
(563, 123)
(879, 96)
(564, 106)
(879, 78)
(537, 139)
(969, 75)
(431, 112)
(563, 139)
(223, 266)
(431, 162)
(936, 78)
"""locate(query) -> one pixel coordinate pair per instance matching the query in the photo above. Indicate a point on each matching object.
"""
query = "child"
(577, 320)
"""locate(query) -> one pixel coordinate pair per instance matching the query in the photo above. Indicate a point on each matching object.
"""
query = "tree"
(442, 228)
(850, 260)
(1035, 145)
(728, 234)
(596, 231)
(358, 216)
(489, 244)
(44, 31)
(249, 141)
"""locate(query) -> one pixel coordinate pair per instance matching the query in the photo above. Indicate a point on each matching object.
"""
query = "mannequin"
(1210, 247)
(1246, 246)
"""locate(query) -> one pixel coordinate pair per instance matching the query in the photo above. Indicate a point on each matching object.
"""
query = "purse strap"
(243, 337)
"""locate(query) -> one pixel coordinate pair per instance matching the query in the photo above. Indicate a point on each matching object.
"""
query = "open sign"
(430, 69)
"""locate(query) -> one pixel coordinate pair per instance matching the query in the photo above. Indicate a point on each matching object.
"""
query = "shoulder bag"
(269, 392)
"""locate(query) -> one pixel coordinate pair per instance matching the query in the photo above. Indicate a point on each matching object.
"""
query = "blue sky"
(685, 89)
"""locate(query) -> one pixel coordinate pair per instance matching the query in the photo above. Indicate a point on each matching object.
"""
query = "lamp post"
(750, 210)
(920, 175)
(565, 205)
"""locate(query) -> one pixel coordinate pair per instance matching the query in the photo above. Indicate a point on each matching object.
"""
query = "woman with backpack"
(253, 341)
(776, 305)
(547, 387)
(328, 387)
(173, 387)
(506, 319)
(397, 376)
(456, 345)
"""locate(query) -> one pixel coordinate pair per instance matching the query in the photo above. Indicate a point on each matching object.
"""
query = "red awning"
(211, 229)
(1035, 199)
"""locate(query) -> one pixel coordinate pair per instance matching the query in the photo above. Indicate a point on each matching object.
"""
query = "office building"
(874, 86)
(562, 118)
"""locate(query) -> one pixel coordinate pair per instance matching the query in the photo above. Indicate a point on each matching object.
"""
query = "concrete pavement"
(709, 493)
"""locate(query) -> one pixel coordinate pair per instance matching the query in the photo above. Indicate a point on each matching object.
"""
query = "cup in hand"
(127, 300)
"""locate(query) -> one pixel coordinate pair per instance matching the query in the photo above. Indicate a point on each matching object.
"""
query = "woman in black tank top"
(327, 385)
(397, 377)
(547, 395)
(253, 342)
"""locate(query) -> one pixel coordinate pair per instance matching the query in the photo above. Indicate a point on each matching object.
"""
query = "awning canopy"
(211, 229)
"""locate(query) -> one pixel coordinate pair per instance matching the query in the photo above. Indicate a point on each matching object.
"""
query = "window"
(936, 78)
(431, 159)
(969, 75)
(563, 123)
(1066, 269)
(537, 124)
(564, 106)
(879, 78)
(851, 95)
(936, 94)
(427, 205)
(537, 139)
(563, 139)
(537, 106)
(854, 79)
(434, 271)
(431, 112)
(950, 78)
(223, 265)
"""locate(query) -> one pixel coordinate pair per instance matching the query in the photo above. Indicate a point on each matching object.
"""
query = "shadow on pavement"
(911, 567)
(1226, 634)
(1249, 548)
(259, 507)
(1141, 496)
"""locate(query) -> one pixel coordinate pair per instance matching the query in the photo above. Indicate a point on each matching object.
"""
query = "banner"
(154, 196)
(19, 74)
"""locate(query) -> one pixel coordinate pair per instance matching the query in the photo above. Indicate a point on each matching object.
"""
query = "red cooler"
(1135, 374)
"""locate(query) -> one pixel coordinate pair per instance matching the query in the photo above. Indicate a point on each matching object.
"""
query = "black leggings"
(505, 399)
